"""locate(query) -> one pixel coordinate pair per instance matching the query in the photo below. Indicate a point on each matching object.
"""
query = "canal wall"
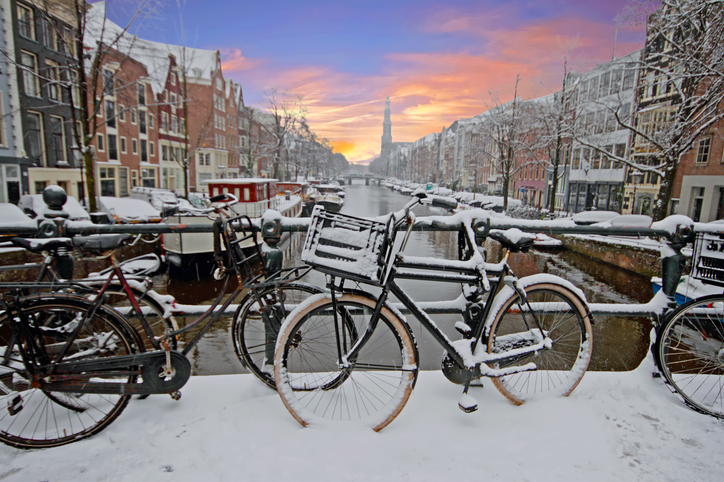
(643, 259)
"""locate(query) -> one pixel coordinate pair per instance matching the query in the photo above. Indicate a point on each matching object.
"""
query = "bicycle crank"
(156, 376)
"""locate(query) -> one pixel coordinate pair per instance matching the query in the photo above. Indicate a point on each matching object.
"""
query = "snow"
(11, 216)
(614, 426)
(35, 203)
(128, 209)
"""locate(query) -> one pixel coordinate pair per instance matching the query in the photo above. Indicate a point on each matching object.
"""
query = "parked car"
(34, 206)
(128, 210)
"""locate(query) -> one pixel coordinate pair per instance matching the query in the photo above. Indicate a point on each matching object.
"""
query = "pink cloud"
(429, 90)
(234, 61)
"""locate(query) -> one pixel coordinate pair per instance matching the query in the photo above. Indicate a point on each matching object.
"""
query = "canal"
(619, 343)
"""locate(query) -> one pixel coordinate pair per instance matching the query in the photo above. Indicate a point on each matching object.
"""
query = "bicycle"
(69, 364)
(689, 346)
(122, 289)
(531, 336)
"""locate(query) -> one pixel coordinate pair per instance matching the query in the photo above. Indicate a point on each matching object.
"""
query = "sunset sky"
(437, 61)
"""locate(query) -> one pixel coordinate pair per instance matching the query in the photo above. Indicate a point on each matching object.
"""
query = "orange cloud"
(429, 90)
(343, 147)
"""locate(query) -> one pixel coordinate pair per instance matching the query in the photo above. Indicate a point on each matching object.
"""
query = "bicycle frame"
(472, 271)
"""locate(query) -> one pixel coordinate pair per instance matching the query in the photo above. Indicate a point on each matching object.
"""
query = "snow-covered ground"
(615, 426)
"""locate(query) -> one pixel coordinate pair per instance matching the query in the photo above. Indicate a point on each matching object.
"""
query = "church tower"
(386, 133)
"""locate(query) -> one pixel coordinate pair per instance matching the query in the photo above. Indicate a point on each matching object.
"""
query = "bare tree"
(681, 87)
(502, 128)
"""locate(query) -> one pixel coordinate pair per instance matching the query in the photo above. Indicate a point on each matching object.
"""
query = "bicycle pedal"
(467, 403)
(176, 395)
(463, 328)
(15, 405)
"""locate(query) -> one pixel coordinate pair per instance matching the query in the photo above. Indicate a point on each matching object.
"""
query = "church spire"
(386, 131)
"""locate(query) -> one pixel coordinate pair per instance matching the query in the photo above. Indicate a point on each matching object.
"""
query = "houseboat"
(191, 255)
(329, 197)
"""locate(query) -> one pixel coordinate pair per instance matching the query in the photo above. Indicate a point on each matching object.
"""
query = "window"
(56, 139)
(123, 180)
(112, 147)
(141, 94)
(108, 82)
(150, 120)
(101, 146)
(123, 145)
(34, 137)
(605, 82)
(110, 113)
(134, 146)
(173, 99)
(142, 121)
(69, 42)
(50, 36)
(2, 129)
(133, 116)
(40, 186)
(629, 76)
(181, 126)
(30, 74)
(174, 123)
(164, 153)
(151, 149)
(75, 89)
(53, 83)
(134, 177)
(702, 155)
(624, 114)
(173, 79)
(164, 121)
(148, 177)
(144, 150)
(26, 23)
(616, 77)
(593, 88)
(108, 180)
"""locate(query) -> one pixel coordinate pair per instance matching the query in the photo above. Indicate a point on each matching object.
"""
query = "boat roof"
(241, 180)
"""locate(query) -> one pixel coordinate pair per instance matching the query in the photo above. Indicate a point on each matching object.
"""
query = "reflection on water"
(619, 343)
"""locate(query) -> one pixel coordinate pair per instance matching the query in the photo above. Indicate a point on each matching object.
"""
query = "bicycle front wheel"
(561, 363)
(319, 381)
(31, 417)
(691, 354)
(257, 322)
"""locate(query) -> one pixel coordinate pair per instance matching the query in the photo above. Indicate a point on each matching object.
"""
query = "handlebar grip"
(218, 198)
(442, 202)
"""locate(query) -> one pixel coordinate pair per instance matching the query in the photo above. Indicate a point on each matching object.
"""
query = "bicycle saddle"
(513, 239)
(100, 242)
(38, 245)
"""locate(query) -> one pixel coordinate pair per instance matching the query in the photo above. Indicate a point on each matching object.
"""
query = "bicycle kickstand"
(467, 403)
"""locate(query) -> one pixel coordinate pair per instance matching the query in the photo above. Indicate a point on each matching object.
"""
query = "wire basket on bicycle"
(347, 246)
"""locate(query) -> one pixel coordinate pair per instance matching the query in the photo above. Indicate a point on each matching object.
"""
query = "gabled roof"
(197, 63)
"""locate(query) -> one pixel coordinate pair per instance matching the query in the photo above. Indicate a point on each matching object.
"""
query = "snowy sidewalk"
(615, 426)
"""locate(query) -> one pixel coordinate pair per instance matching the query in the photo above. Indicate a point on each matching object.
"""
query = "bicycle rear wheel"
(31, 417)
(560, 366)
(690, 351)
(257, 322)
(370, 388)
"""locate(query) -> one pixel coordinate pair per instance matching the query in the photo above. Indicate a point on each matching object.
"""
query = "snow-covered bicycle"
(350, 355)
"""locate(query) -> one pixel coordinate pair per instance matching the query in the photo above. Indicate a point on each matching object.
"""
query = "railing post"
(272, 255)
(673, 263)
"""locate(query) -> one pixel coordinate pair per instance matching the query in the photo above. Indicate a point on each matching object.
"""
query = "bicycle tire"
(254, 339)
(561, 366)
(152, 311)
(374, 386)
(690, 354)
(35, 418)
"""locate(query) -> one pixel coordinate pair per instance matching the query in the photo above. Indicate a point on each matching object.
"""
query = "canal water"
(619, 343)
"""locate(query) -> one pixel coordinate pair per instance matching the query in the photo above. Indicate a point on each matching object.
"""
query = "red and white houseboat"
(191, 255)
